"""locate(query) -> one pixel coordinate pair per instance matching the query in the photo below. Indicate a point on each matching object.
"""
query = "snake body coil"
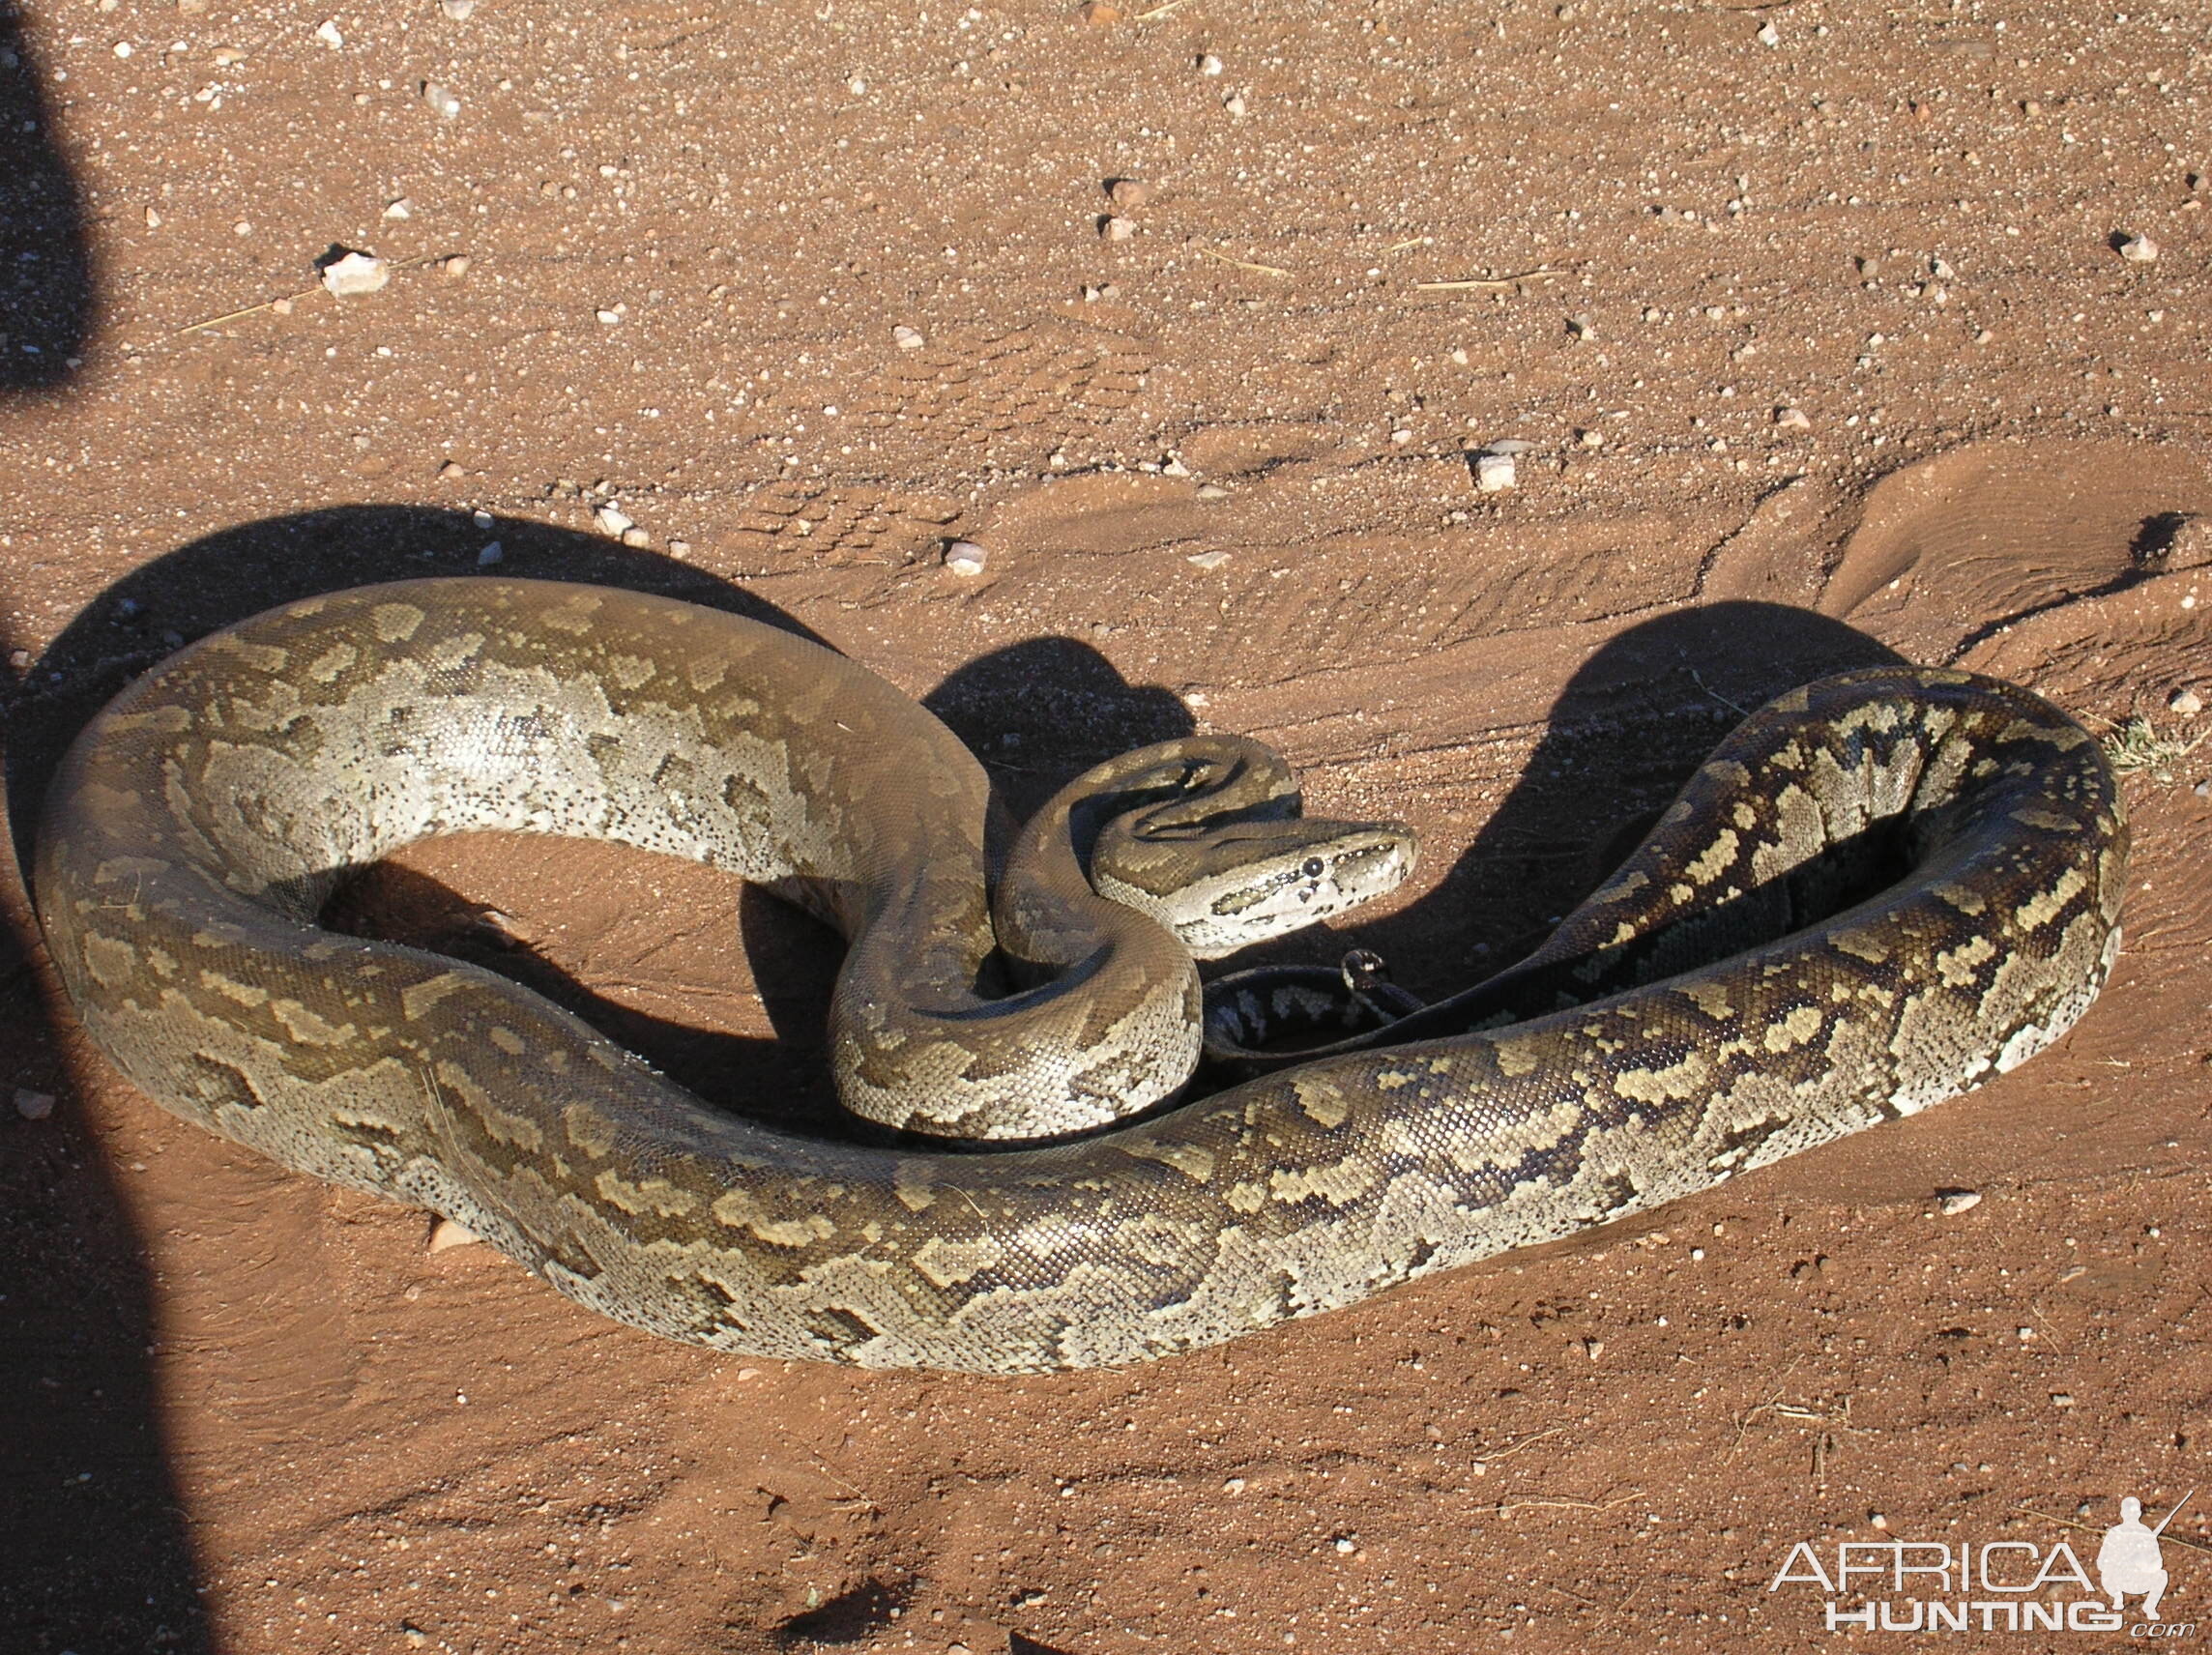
(1736, 993)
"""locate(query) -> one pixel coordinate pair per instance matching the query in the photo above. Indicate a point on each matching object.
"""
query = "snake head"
(1258, 880)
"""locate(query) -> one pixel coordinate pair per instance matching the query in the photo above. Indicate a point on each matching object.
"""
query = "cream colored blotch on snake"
(1702, 1014)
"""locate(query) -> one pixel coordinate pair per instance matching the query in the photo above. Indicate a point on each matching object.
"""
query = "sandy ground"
(1221, 466)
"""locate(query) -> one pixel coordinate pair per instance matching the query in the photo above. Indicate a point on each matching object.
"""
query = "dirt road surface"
(1814, 334)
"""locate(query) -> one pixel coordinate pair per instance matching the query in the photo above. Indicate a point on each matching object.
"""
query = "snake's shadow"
(1627, 730)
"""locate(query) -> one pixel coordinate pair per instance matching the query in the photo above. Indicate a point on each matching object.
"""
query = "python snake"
(1882, 889)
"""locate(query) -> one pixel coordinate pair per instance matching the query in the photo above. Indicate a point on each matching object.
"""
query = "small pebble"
(356, 273)
(1769, 35)
(1212, 491)
(327, 33)
(1173, 466)
(1236, 103)
(679, 549)
(1495, 473)
(455, 267)
(1401, 436)
(1951, 1202)
(1209, 65)
(2139, 249)
(435, 94)
(2025, 1335)
(447, 1234)
(458, 9)
(2186, 702)
(482, 518)
(2061, 1399)
(1208, 561)
(1117, 229)
(399, 208)
(19, 659)
(635, 536)
(1878, 1519)
(1510, 446)
(1344, 1545)
(1594, 1347)
(1129, 193)
(1793, 418)
(491, 554)
(858, 86)
(1099, 13)
(1581, 327)
(908, 338)
(612, 521)
(966, 558)
(123, 48)
(153, 219)
(612, 318)
(451, 468)
(34, 1105)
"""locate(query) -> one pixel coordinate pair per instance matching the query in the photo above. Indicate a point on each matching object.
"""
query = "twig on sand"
(1245, 264)
(1505, 1509)
(1492, 283)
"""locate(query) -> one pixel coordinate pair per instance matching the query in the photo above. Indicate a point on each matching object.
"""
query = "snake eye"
(1314, 867)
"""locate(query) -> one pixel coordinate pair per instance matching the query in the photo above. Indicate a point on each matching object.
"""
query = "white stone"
(2139, 249)
(1495, 473)
(966, 558)
(458, 9)
(1209, 65)
(613, 521)
(2186, 702)
(440, 99)
(1207, 560)
(34, 1105)
(908, 338)
(1951, 1202)
(354, 273)
(327, 33)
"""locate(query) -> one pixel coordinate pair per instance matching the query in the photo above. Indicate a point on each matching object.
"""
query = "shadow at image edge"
(46, 262)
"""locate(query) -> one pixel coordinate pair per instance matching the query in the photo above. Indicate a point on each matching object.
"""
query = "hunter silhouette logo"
(1999, 1586)
(2131, 1560)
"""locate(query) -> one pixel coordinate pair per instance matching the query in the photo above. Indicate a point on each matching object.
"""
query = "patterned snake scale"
(1882, 889)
